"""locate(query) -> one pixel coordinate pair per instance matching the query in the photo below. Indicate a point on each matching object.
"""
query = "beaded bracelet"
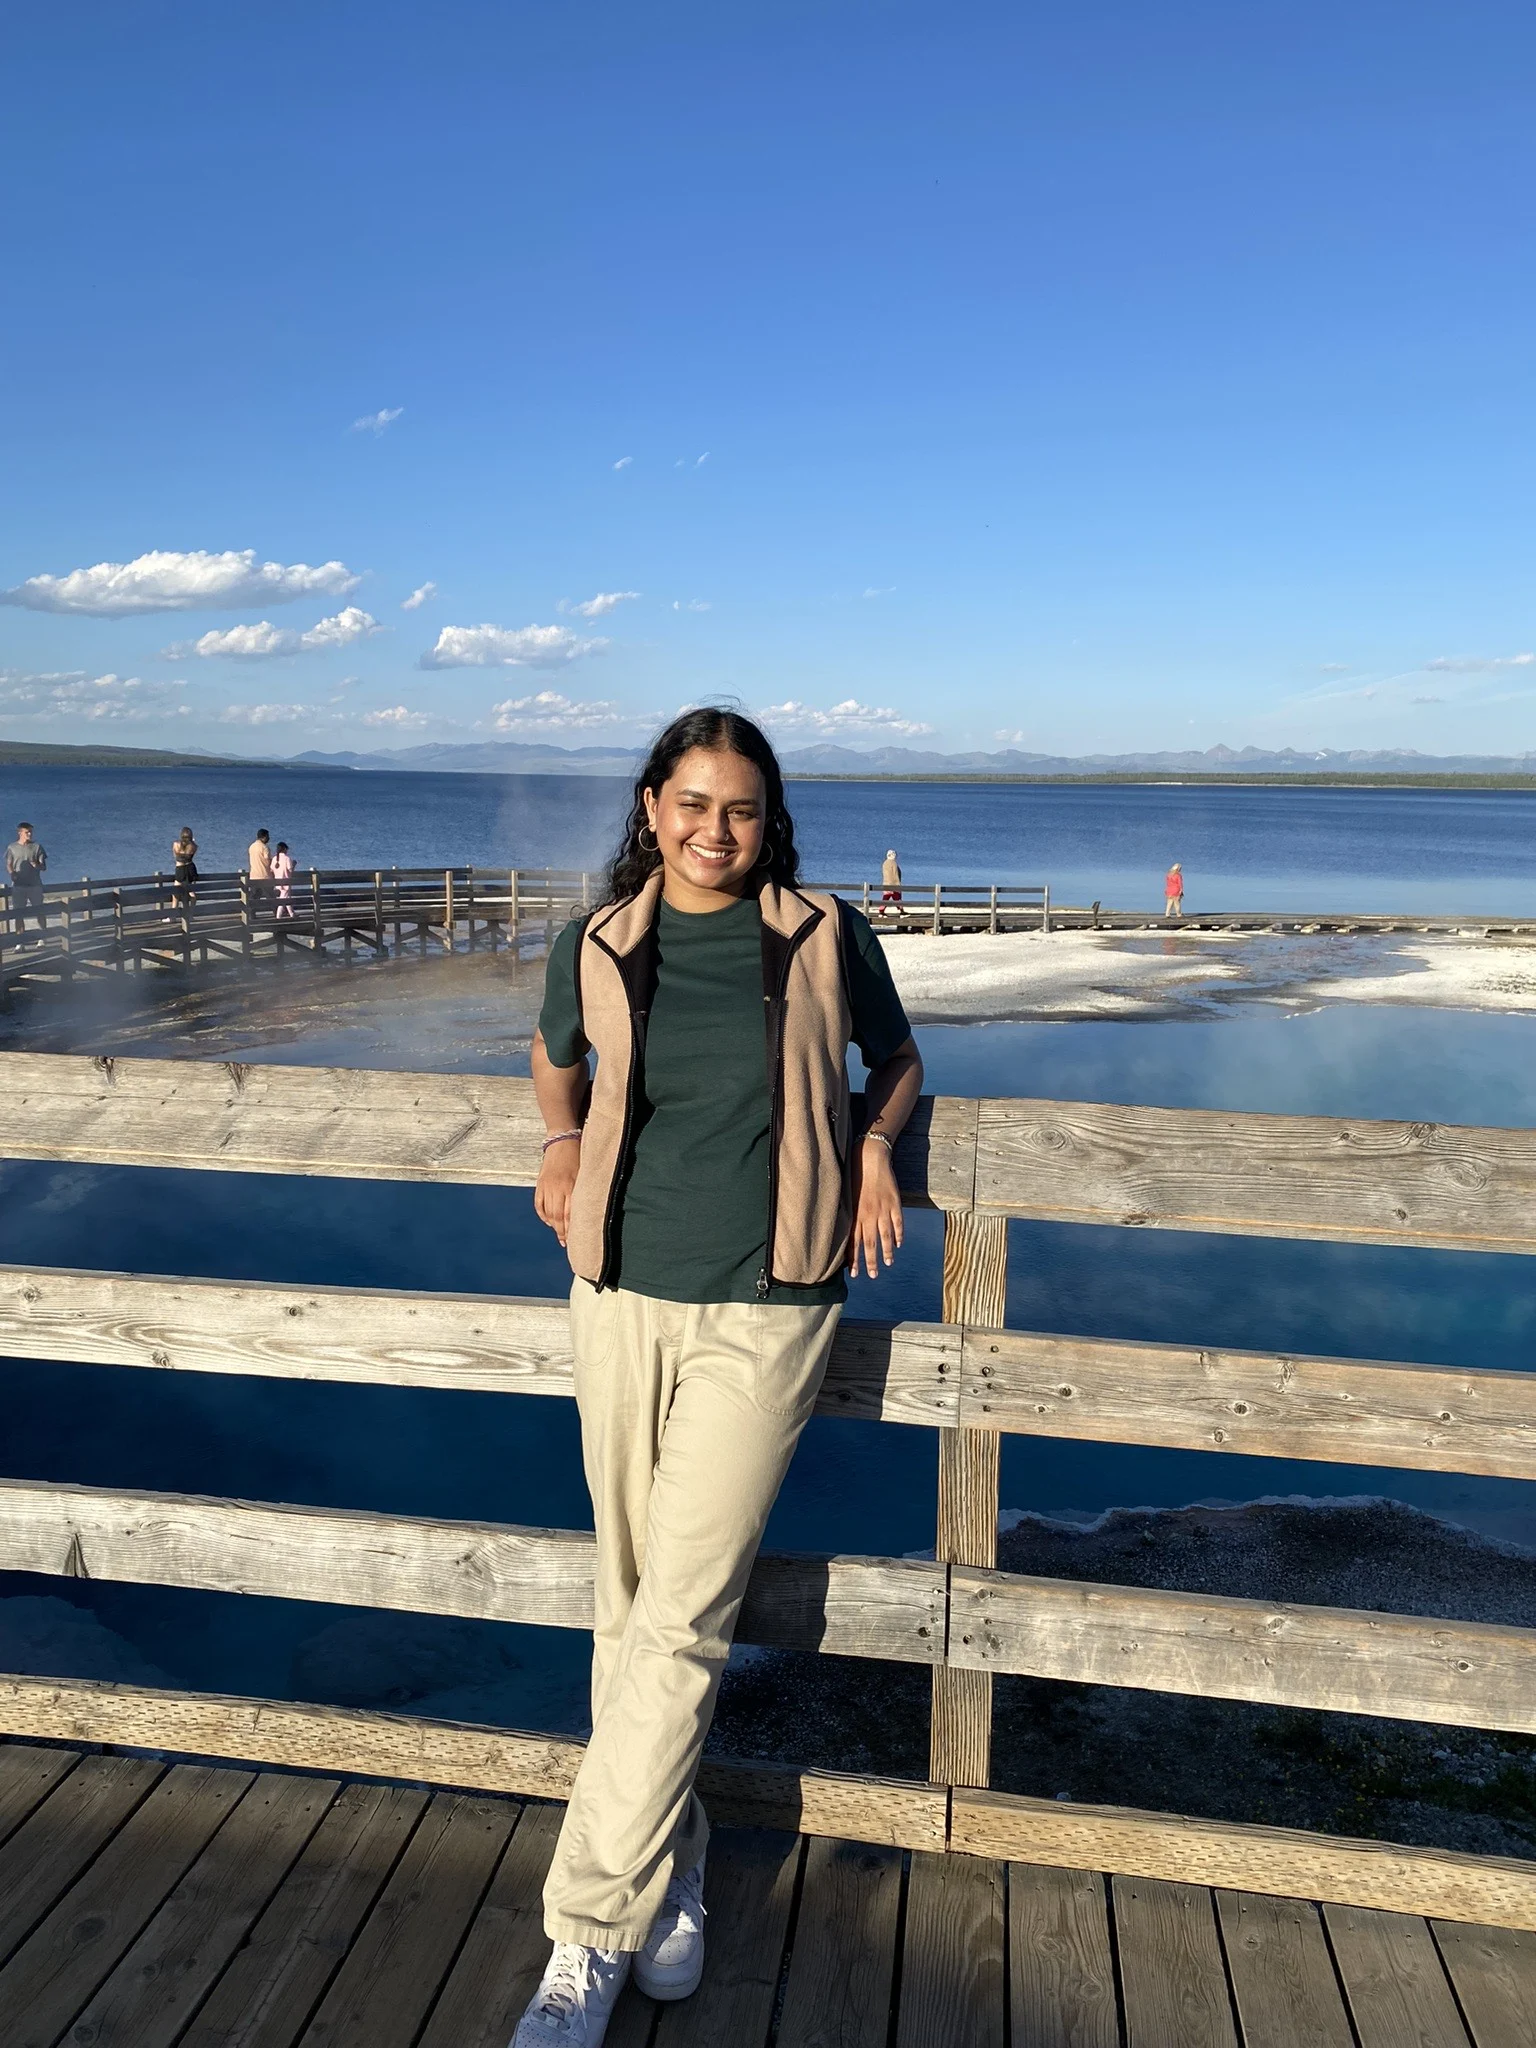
(558, 1139)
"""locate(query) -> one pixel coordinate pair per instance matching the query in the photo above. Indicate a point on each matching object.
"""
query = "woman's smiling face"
(709, 820)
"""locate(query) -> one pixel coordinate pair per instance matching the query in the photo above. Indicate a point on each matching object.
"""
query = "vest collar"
(623, 926)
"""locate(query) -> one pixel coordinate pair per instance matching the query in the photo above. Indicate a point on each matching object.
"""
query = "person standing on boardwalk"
(282, 875)
(25, 865)
(890, 884)
(711, 1193)
(184, 856)
(1173, 892)
(259, 868)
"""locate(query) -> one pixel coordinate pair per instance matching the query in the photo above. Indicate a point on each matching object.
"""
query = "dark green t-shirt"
(694, 1219)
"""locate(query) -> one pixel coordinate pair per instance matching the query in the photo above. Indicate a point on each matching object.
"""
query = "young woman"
(282, 877)
(710, 1191)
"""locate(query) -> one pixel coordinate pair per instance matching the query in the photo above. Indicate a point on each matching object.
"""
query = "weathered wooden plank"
(1466, 1674)
(267, 1994)
(1282, 1974)
(384, 1990)
(853, 1607)
(1343, 1179)
(164, 1976)
(56, 1969)
(839, 1989)
(975, 1290)
(27, 1776)
(356, 1744)
(1394, 1981)
(749, 1888)
(952, 1955)
(483, 1129)
(1280, 1862)
(1494, 1972)
(1265, 1404)
(1170, 1965)
(503, 1958)
(494, 1344)
(936, 1153)
(47, 1853)
(1061, 1965)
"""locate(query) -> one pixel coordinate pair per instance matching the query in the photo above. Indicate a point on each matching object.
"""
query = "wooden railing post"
(120, 951)
(975, 1291)
(992, 911)
(937, 899)
(447, 910)
(1045, 910)
(513, 906)
(316, 936)
(378, 910)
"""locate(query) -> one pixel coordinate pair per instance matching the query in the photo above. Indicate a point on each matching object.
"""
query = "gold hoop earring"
(654, 846)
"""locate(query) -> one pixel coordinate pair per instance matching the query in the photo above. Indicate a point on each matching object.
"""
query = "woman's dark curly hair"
(712, 725)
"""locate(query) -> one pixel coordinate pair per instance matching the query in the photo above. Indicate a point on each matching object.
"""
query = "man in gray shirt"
(25, 861)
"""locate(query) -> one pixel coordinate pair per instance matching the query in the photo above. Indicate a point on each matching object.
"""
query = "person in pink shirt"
(1173, 891)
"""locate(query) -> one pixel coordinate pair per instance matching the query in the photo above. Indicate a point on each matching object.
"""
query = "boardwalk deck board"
(1175, 1986)
(952, 1955)
(1494, 1972)
(265, 1998)
(1061, 1968)
(27, 1776)
(63, 1836)
(54, 1972)
(749, 1889)
(386, 1988)
(500, 1964)
(169, 1970)
(838, 1993)
(1393, 1979)
(377, 1917)
(1283, 1977)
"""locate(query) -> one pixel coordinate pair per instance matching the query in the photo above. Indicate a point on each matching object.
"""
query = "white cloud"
(418, 597)
(624, 461)
(1335, 668)
(694, 604)
(1477, 664)
(73, 693)
(339, 690)
(702, 460)
(1427, 700)
(848, 719)
(399, 716)
(265, 714)
(550, 712)
(508, 647)
(595, 607)
(167, 581)
(264, 640)
(375, 422)
(1017, 737)
(879, 590)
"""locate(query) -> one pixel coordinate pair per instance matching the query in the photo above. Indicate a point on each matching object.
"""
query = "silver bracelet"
(881, 1139)
(559, 1138)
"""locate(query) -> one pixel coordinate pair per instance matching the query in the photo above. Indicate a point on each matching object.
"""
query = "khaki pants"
(689, 1418)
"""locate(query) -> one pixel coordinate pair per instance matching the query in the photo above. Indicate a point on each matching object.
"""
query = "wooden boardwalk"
(146, 1904)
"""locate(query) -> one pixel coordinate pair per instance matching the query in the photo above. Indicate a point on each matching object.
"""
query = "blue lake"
(853, 1487)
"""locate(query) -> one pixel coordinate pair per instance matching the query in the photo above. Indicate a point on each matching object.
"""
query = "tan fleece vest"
(807, 1024)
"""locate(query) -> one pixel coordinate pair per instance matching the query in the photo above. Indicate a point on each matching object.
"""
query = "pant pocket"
(791, 1347)
(595, 1319)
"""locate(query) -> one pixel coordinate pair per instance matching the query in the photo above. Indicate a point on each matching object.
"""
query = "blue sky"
(1076, 376)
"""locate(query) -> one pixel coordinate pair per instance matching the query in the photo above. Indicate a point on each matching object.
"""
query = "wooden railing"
(133, 921)
(967, 1377)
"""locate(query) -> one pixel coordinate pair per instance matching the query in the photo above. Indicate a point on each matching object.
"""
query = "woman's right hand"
(556, 1182)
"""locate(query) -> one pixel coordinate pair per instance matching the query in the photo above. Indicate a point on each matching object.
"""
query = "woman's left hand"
(877, 1227)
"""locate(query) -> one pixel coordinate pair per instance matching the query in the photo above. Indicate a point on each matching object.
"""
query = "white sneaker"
(672, 1961)
(575, 1998)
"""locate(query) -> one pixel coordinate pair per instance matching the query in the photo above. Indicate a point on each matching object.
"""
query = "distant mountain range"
(518, 757)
